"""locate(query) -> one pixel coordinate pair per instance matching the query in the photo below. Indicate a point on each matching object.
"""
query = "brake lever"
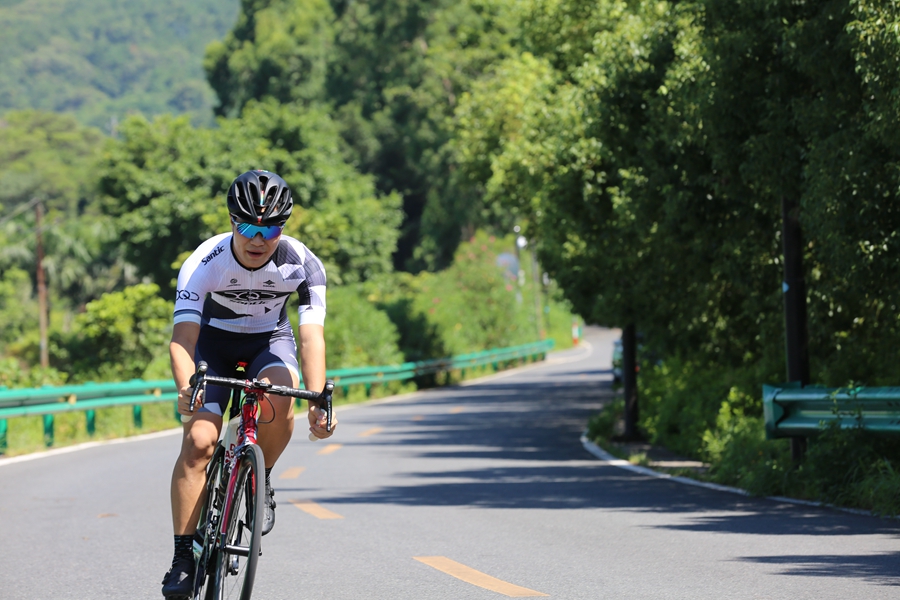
(325, 398)
(198, 378)
(329, 388)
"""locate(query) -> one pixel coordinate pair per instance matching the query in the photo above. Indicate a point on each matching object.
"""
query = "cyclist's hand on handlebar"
(317, 422)
(184, 401)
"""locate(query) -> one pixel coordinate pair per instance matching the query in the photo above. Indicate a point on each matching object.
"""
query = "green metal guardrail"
(791, 410)
(89, 397)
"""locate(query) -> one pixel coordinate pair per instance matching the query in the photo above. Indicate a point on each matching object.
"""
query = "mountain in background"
(101, 61)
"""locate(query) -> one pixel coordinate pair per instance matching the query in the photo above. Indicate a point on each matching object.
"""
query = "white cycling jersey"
(215, 290)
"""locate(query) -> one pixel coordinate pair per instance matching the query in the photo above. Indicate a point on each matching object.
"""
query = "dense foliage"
(652, 146)
(102, 61)
(391, 72)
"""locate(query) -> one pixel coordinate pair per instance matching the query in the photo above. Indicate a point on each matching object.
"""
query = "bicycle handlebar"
(323, 399)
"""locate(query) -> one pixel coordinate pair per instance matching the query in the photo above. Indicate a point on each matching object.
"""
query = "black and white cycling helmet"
(260, 197)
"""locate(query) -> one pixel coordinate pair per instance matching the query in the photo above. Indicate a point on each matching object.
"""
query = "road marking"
(320, 512)
(372, 431)
(470, 575)
(292, 473)
(330, 448)
(457, 409)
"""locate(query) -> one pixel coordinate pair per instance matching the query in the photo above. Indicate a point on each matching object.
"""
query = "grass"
(26, 434)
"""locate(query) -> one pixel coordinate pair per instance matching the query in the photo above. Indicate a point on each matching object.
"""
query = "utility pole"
(42, 286)
(538, 312)
(794, 290)
(629, 382)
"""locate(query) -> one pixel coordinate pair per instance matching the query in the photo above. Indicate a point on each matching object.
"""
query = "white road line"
(611, 460)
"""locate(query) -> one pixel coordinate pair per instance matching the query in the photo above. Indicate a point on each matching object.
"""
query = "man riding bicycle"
(231, 307)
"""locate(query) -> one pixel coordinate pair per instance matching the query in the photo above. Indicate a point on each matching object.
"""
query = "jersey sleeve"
(312, 292)
(193, 285)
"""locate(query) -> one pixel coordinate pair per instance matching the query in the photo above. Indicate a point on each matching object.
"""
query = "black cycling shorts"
(223, 350)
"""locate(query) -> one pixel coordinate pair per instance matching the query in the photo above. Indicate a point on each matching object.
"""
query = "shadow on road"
(876, 568)
(516, 446)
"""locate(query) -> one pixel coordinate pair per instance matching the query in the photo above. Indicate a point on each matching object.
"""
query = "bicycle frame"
(248, 428)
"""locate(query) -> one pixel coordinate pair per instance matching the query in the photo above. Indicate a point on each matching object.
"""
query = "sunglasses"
(248, 230)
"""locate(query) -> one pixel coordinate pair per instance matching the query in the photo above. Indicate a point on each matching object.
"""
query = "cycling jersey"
(215, 290)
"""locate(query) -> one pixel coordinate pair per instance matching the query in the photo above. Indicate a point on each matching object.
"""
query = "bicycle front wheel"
(236, 557)
(208, 526)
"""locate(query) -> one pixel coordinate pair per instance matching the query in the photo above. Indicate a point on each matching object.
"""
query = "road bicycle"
(227, 543)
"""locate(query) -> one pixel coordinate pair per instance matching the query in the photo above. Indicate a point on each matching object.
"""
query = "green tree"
(278, 49)
(393, 70)
(166, 181)
(47, 156)
(118, 336)
(357, 333)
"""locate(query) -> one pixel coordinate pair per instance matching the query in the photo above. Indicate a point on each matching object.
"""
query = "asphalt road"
(476, 492)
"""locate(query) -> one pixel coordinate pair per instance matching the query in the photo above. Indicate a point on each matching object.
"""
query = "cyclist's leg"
(187, 495)
(277, 364)
(189, 475)
(276, 417)
(199, 440)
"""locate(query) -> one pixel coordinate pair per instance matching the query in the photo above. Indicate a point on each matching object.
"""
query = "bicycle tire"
(207, 527)
(237, 554)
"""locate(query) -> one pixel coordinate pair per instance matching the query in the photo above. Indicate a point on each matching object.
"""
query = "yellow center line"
(320, 512)
(470, 575)
(292, 473)
(330, 448)
(372, 431)
(457, 409)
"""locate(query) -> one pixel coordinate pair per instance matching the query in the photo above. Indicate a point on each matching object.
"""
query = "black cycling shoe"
(178, 583)
(269, 518)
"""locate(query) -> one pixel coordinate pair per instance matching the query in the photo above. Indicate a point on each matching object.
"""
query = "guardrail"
(791, 410)
(89, 397)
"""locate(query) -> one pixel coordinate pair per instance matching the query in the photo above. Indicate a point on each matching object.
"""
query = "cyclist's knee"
(198, 446)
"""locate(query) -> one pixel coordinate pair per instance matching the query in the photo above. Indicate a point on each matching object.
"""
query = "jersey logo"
(219, 250)
(186, 295)
(252, 296)
(269, 283)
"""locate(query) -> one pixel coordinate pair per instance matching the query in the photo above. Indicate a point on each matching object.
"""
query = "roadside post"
(794, 291)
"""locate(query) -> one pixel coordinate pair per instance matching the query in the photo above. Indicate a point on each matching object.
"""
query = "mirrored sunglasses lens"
(268, 232)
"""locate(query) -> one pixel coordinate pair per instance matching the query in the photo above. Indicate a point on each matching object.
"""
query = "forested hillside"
(102, 61)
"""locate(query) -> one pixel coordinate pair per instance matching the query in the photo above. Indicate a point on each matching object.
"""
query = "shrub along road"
(474, 492)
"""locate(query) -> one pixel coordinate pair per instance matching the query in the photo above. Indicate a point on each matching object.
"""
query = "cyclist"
(231, 306)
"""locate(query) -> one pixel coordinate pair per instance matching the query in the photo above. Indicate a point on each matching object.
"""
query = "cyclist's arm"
(181, 352)
(312, 365)
(312, 355)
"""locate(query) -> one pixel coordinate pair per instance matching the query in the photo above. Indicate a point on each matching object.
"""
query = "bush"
(739, 453)
(475, 304)
(603, 426)
(357, 333)
(119, 335)
(14, 374)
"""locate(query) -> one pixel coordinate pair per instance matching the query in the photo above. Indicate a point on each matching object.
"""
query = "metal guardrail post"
(48, 430)
(138, 416)
(3, 443)
(90, 417)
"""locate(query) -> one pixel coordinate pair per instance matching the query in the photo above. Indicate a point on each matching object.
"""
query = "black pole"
(794, 288)
(629, 382)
